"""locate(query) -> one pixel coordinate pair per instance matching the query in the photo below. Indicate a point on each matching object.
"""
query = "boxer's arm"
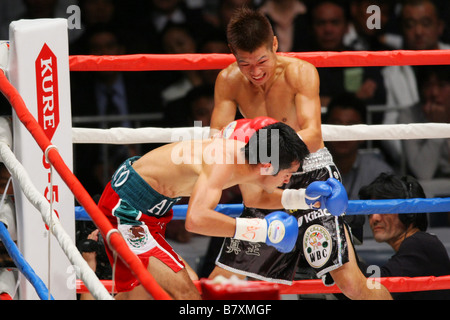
(201, 216)
(255, 197)
(308, 106)
(224, 105)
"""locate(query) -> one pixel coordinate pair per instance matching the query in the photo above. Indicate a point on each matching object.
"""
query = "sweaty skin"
(263, 83)
(201, 170)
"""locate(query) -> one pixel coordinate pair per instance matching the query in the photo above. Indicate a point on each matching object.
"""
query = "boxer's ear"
(275, 44)
(266, 169)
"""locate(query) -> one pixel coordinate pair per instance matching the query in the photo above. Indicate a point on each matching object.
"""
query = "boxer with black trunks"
(264, 83)
(141, 193)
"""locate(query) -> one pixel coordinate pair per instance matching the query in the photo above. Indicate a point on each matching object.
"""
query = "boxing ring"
(49, 151)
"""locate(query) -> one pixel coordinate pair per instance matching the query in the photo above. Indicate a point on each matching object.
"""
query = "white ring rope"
(51, 216)
(329, 133)
(168, 135)
(83, 270)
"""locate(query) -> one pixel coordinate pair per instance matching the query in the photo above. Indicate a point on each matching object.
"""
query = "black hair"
(289, 146)
(347, 100)
(204, 90)
(391, 186)
(340, 3)
(248, 30)
(118, 33)
(439, 9)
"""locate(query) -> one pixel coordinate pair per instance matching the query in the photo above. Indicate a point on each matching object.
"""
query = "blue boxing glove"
(278, 229)
(329, 194)
(282, 231)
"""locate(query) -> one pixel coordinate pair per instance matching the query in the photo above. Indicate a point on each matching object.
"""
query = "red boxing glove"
(243, 129)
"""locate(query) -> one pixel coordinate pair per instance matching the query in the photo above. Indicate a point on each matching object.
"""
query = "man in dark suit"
(107, 93)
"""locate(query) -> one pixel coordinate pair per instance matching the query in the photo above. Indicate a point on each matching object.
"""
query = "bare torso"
(173, 169)
(275, 100)
(291, 95)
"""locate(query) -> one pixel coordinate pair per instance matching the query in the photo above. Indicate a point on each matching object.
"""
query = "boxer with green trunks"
(141, 193)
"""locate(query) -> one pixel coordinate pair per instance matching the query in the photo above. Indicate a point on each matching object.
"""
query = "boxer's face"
(272, 182)
(257, 66)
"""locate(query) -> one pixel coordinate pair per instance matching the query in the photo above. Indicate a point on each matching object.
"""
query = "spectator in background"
(429, 159)
(101, 12)
(216, 42)
(47, 9)
(92, 248)
(225, 9)
(97, 12)
(177, 111)
(289, 22)
(358, 167)
(444, 10)
(107, 93)
(422, 25)
(329, 20)
(154, 16)
(125, 92)
(417, 253)
(200, 101)
(176, 39)
(329, 23)
(422, 28)
(359, 36)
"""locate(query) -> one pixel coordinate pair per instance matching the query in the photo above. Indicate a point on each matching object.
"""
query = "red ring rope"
(160, 62)
(118, 243)
(196, 61)
(392, 284)
(148, 62)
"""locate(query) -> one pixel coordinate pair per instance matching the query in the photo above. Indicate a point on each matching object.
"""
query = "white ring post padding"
(329, 133)
(41, 203)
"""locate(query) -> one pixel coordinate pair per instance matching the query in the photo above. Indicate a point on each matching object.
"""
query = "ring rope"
(195, 62)
(22, 265)
(198, 61)
(329, 133)
(426, 60)
(355, 207)
(47, 150)
(51, 216)
(119, 244)
(314, 286)
(108, 236)
(41, 203)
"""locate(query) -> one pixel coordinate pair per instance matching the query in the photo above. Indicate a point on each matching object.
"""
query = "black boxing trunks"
(321, 243)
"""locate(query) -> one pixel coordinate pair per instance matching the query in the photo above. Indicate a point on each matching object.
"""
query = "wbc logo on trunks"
(47, 91)
(317, 245)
